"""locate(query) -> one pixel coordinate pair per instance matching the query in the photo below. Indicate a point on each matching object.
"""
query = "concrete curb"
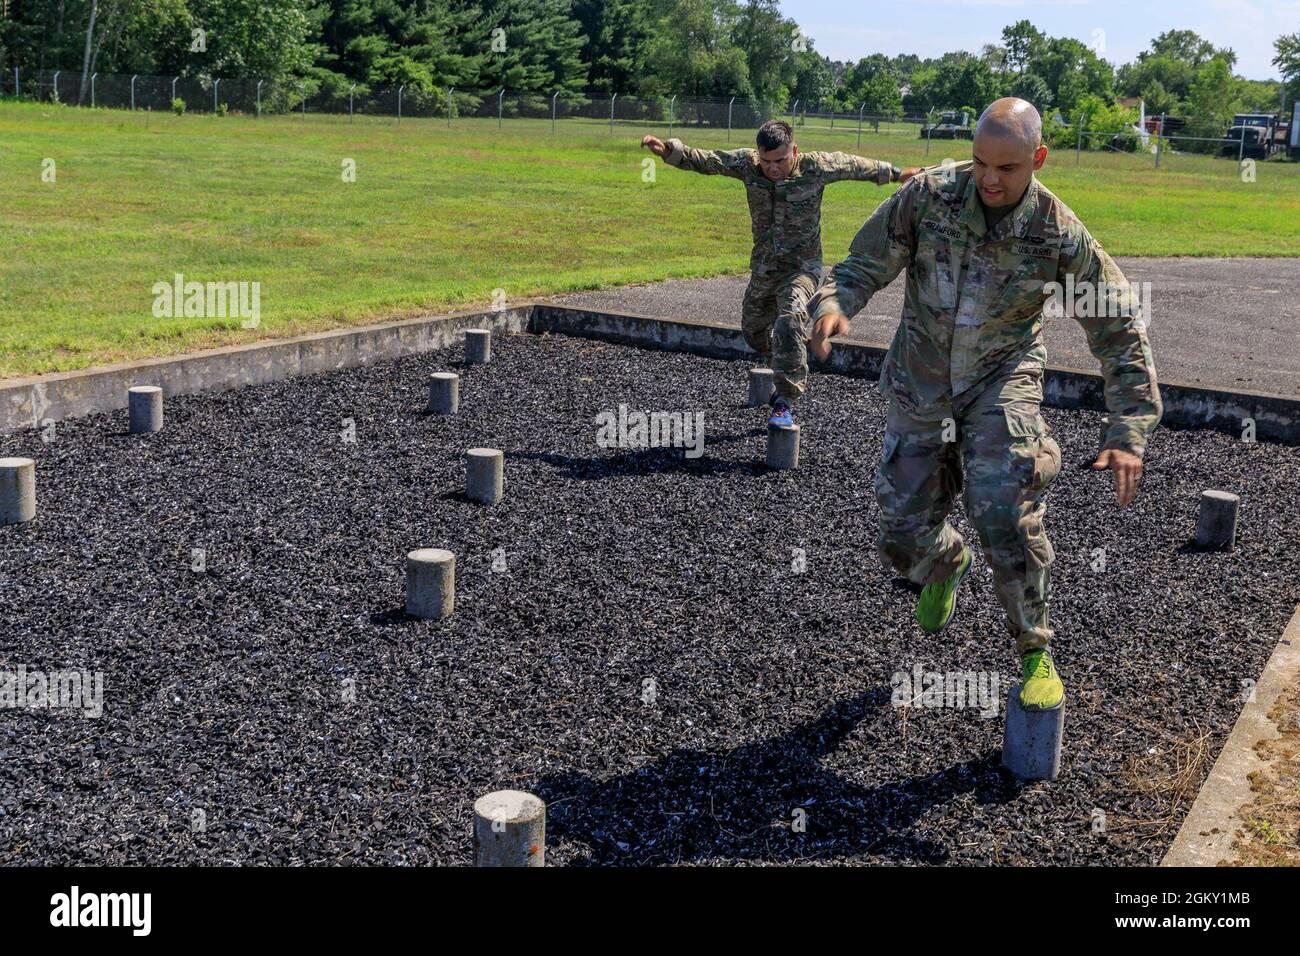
(1207, 834)
(1189, 406)
(27, 402)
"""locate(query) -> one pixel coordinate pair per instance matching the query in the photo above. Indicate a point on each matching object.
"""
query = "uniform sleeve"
(710, 162)
(839, 166)
(883, 248)
(1116, 331)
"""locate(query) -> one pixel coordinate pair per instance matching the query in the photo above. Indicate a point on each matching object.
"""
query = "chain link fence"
(679, 115)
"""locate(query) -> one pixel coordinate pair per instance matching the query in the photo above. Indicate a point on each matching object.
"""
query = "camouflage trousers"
(996, 443)
(775, 320)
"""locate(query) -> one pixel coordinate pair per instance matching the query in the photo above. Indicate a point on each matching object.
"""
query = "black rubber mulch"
(224, 690)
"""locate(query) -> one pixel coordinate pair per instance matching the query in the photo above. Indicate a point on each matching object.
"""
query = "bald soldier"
(986, 246)
(784, 188)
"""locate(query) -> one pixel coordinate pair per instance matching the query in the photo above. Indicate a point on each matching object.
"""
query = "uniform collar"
(972, 213)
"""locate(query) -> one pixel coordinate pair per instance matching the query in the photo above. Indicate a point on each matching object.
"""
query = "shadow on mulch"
(646, 462)
(696, 806)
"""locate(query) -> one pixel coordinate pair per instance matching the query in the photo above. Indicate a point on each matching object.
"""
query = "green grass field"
(438, 218)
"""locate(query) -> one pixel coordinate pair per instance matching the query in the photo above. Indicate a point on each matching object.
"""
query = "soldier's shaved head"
(1012, 119)
(1007, 148)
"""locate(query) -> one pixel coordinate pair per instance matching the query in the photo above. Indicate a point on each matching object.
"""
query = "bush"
(178, 106)
(222, 109)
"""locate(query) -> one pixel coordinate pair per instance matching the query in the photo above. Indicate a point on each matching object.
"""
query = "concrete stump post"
(1216, 526)
(760, 386)
(430, 583)
(484, 475)
(478, 346)
(509, 829)
(782, 446)
(1031, 741)
(444, 393)
(17, 490)
(145, 408)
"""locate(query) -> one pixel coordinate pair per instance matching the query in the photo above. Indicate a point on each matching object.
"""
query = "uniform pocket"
(1037, 451)
(1024, 421)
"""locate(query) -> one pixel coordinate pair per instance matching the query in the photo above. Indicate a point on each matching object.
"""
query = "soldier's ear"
(1040, 157)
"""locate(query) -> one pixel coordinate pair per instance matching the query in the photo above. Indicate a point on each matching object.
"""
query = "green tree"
(530, 46)
(814, 85)
(1022, 41)
(769, 41)
(1072, 71)
(1031, 87)
(1189, 47)
(1211, 103)
(692, 52)
(1287, 60)
(618, 33)
(872, 84)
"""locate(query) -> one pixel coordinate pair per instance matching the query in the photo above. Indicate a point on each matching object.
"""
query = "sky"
(1118, 29)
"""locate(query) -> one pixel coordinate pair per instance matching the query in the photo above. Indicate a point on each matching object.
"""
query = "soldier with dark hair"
(784, 187)
(986, 246)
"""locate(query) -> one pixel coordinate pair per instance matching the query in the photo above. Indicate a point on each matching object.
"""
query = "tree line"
(636, 48)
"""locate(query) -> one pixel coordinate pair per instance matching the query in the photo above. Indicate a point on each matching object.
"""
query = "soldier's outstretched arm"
(710, 162)
(840, 166)
(1116, 330)
(883, 247)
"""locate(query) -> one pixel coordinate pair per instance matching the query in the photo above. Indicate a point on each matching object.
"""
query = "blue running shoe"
(782, 414)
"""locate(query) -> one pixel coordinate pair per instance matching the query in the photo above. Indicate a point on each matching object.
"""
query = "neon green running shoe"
(939, 600)
(1042, 688)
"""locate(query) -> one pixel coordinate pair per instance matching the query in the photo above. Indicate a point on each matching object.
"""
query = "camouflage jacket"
(786, 216)
(974, 303)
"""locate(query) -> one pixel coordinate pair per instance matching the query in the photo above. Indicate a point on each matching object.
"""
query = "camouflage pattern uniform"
(786, 262)
(964, 375)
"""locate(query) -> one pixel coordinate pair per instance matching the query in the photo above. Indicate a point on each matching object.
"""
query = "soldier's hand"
(656, 146)
(908, 173)
(1127, 468)
(827, 327)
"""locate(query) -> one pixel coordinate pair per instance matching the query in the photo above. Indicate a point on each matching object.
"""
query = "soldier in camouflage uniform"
(784, 188)
(986, 246)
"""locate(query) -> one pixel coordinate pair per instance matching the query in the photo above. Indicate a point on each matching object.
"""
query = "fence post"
(174, 79)
(216, 84)
(860, 109)
(449, 93)
(133, 91)
(1159, 139)
(928, 124)
(92, 89)
(793, 112)
(1078, 144)
(56, 85)
(501, 98)
(400, 90)
(1241, 150)
(729, 105)
(612, 100)
(351, 91)
(672, 105)
(553, 100)
(15, 82)
(259, 98)
(303, 93)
